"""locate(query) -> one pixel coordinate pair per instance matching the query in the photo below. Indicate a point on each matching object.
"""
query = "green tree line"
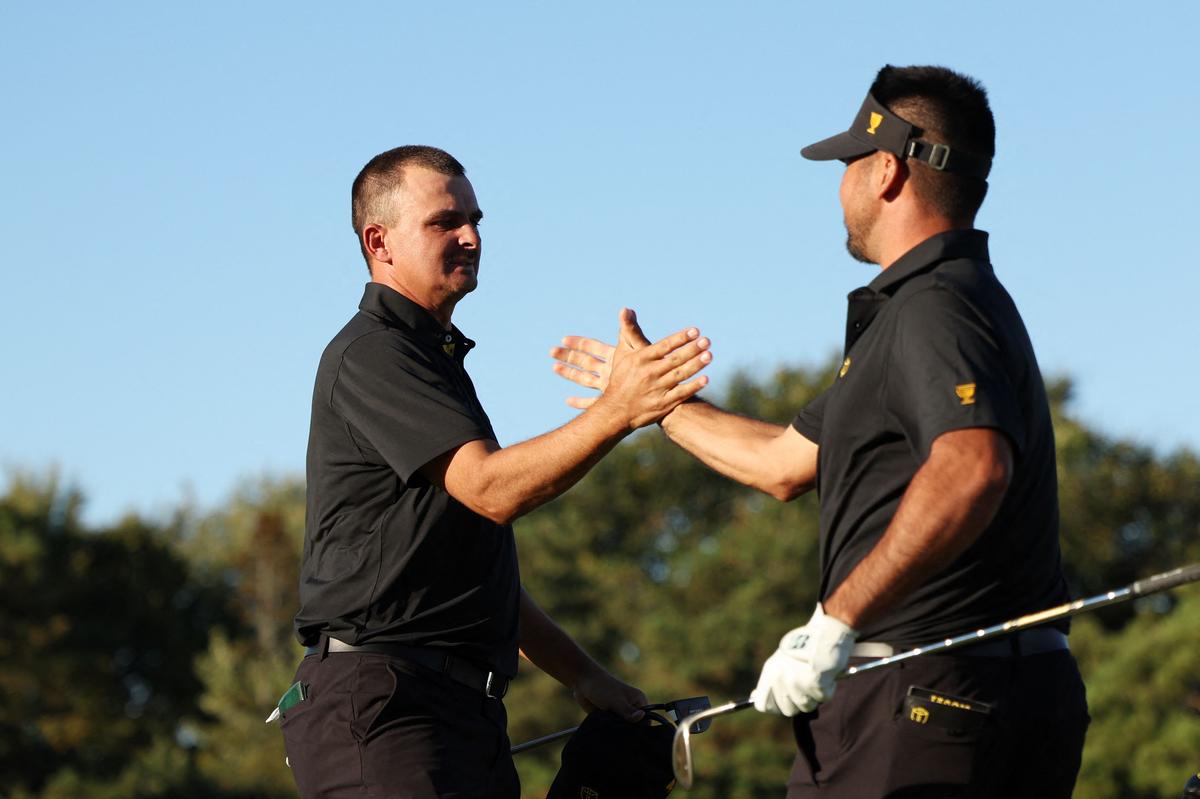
(139, 660)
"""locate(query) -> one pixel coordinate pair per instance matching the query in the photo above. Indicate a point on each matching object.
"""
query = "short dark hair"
(371, 194)
(949, 108)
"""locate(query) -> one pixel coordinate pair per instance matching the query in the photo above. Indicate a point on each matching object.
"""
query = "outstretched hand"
(645, 379)
(585, 361)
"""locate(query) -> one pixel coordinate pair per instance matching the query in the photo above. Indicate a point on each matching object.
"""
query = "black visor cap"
(874, 128)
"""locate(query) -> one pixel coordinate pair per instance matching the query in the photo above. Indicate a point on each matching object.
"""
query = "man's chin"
(466, 284)
(856, 252)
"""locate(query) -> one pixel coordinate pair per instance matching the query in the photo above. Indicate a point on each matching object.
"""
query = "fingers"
(628, 703)
(577, 358)
(591, 346)
(673, 342)
(631, 333)
(764, 699)
(582, 403)
(763, 702)
(684, 391)
(583, 377)
(687, 360)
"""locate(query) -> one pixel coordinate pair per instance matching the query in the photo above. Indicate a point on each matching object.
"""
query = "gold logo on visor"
(966, 393)
(845, 368)
(876, 121)
(919, 714)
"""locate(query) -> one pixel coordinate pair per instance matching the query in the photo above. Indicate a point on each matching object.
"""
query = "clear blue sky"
(174, 217)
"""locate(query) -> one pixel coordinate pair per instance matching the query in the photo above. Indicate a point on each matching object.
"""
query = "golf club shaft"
(1150, 585)
(545, 739)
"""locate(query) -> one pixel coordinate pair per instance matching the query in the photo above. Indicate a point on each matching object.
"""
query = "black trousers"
(376, 726)
(873, 741)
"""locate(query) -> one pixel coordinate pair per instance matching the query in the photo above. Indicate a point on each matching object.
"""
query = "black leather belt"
(492, 684)
(1023, 642)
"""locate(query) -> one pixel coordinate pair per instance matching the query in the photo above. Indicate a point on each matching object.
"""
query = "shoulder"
(367, 350)
(957, 287)
(383, 345)
(929, 296)
(367, 340)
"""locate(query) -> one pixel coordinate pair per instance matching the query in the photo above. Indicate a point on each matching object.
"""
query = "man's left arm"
(955, 401)
(547, 646)
(951, 500)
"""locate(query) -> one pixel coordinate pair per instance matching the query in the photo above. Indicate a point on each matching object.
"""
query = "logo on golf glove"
(804, 669)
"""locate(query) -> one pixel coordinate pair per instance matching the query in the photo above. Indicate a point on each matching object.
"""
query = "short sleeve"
(392, 393)
(808, 422)
(947, 372)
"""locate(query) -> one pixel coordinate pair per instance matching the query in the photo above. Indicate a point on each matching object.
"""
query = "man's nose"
(468, 236)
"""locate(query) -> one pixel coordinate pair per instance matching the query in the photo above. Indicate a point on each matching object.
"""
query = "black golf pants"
(969, 728)
(377, 726)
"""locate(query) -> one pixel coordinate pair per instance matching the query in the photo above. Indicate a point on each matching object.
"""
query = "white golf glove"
(802, 672)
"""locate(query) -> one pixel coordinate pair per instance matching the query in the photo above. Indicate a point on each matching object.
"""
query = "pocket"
(389, 692)
(938, 740)
(299, 699)
(938, 715)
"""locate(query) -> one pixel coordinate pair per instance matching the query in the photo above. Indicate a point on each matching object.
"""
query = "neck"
(898, 238)
(441, 311)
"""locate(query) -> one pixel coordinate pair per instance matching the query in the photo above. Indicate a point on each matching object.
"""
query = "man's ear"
(373, 241)
(891, 172)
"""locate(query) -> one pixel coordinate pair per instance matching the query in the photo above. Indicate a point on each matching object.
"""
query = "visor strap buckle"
(936, 155)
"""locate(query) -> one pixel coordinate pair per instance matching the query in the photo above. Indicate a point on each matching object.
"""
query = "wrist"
(614, 422)
(668, 421)
(584, 676)
(831, 624)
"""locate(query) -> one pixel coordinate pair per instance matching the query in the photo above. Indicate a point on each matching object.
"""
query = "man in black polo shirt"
(410, 601)
(933, 456)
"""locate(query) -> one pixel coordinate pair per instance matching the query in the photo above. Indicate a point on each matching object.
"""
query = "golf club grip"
(1166, 580)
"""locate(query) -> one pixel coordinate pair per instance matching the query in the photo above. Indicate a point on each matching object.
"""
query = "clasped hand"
(644, 381)
(804, 669)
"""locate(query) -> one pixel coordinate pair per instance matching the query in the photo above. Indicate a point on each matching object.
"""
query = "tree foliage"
(140, 659)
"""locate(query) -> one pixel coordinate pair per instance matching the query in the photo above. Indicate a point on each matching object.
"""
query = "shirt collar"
(393, 308)
(961, 243)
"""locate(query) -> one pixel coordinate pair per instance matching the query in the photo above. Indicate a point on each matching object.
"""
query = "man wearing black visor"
(936, 478)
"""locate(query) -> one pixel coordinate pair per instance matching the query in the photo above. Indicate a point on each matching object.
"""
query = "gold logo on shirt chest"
(845, 368)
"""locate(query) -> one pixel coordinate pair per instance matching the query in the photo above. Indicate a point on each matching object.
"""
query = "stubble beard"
(858, 230)
(855, 248)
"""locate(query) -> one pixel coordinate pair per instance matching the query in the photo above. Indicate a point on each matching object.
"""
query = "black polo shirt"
(936, 344)
(387, 555)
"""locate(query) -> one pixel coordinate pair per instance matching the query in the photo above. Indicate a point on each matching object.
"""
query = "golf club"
(681, 750)
(675, 710)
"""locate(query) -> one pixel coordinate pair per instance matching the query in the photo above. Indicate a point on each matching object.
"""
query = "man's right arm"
(503, 483)
(774, 459)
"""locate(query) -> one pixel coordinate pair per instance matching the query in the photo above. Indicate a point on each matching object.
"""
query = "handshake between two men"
(803, 670)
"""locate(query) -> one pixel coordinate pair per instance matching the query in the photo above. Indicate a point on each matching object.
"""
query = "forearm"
(951, 500)
(547, 646)
(514, 480)
(758, 454)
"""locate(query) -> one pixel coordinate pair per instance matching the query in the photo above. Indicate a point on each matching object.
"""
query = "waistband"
(491, 684)
(1037, 641)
